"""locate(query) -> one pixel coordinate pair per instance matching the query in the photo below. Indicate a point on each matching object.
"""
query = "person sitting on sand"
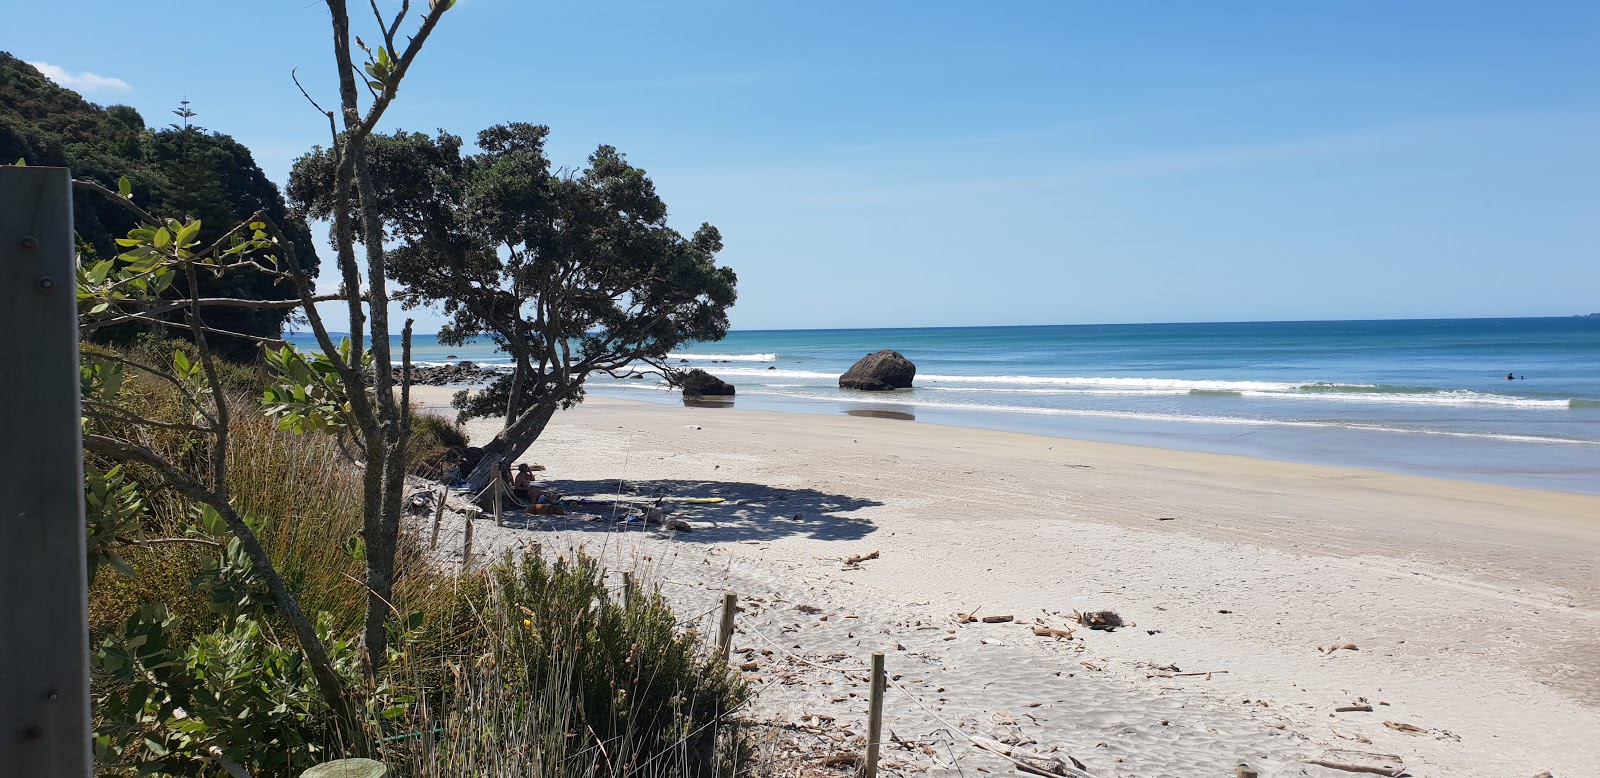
(528, 489)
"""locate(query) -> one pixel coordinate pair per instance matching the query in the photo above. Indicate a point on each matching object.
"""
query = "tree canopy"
(206, 175)
(569, 272)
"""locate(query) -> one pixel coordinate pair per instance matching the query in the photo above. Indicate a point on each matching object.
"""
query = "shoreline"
(1469, 602)
(1447, 456)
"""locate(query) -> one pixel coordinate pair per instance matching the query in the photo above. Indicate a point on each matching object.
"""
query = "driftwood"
(1400, 726)
(1337, 646)
(1360, 762)
(996, 619)
(856, 560)
(1029, 762)
(1353, 709)
(1047, 632)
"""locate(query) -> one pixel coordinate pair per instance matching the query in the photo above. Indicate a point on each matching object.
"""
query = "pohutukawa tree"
(570, 272)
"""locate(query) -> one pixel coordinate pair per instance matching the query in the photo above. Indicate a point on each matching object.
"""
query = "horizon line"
(1098, 324)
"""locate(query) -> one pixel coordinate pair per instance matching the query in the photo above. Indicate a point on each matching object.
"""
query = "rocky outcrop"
(445, 375)
(879, 371)
(699, 383)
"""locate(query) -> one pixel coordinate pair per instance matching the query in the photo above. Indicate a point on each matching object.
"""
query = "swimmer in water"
(1511, 376)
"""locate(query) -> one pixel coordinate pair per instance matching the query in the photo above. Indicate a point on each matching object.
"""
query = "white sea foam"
(906, 402)
(724, 357)
(1111, 382)
(1442, 397)
(723, 372)
(1068, 386)
(1082, 391)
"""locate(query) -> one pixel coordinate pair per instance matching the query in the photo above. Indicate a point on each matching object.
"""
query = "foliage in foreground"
(531, 663)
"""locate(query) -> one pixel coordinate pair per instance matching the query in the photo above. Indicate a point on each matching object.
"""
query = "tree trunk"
(510, 443)
(379, 557)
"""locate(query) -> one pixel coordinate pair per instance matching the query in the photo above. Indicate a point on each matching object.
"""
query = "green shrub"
(546, 673)
(435, 443)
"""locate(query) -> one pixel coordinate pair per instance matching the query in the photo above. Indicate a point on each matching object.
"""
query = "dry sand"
(1474, 609)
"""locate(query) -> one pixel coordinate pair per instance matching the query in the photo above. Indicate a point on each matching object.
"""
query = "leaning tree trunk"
(510, 443)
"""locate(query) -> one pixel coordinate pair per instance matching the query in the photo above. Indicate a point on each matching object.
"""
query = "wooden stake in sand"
(499, 520)
(730, 604)
(627, 587)
(44, 601)
(438, 516)
(466, 547)
(874, 717)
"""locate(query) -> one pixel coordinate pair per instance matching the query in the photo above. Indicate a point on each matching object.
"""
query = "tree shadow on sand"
(748, 511)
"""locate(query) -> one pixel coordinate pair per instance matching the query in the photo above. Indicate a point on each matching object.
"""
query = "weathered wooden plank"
(44, 611)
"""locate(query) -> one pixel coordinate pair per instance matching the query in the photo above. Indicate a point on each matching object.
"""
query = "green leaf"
(187, 233)
(22, 162)
(125, 187)
(99, 309)
(162, 238)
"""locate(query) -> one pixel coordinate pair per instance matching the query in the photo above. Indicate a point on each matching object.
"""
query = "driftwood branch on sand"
(1029, 762)
(1360, 762)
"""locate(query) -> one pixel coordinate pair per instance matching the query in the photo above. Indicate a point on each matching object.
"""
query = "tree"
(378, 422)
(179, 171)
(568, 272)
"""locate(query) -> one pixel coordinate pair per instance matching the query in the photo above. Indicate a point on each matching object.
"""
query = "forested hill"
(174, 172)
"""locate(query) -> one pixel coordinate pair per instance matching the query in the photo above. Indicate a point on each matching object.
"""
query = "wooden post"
(730, 605)
(627, 587)
(466, 546)
(438, 516)
(499, 520)
(44, 602)
(1245, 771)
(874, 717)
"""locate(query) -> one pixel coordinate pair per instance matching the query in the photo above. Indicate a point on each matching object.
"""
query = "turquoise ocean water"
(1426, 397)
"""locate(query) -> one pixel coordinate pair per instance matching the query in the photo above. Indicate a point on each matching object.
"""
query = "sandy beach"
(1462, 618)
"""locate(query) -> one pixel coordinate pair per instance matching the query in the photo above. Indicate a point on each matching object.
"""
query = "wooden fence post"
(44, 603)
(875, 717)
(438, 516)
(730, 605)
(627, 587)
(466, 546)
(1245, 771)
(499, 520)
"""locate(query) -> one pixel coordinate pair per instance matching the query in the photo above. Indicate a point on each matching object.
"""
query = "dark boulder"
(467, 364)
(697, 383)
(879, 371)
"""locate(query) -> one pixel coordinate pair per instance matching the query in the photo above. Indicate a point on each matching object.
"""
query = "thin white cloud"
(82, 82)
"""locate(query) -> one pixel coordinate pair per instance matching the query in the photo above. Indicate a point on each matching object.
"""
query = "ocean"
(1424, 397)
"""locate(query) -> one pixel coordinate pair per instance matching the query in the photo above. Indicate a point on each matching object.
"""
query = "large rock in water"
(879, 372)
(697, 383)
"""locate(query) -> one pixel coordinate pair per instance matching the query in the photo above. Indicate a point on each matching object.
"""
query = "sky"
(895, 164)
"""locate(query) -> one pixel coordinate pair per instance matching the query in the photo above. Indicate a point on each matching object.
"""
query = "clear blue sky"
(944, 163)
